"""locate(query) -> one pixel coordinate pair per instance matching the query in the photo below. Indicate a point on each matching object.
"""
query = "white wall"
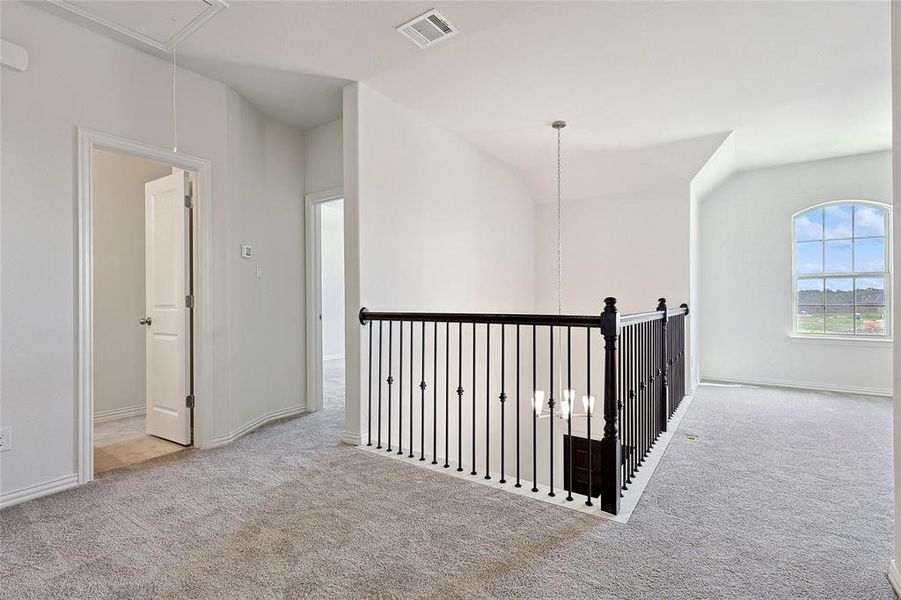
(896, 145)
(332, 243)
(633, 247)
(78, 78)
(119, 364)
(324, 170)
(266, 324)
(324, 157)
(442, 226)
(746, 279)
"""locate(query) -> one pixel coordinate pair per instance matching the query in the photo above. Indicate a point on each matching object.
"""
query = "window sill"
(840, 340)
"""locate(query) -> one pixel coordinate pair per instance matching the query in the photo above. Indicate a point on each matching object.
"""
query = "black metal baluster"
(534, 414)
(633, 400)
(435, 394)
(652, 396)
(550, 404)
(623, 396)
(460, 398)
(422, 387)
(646, 353)
(473, 399)
(637, 374)
(642, 385)
(379, 423)
(487, 399)
(369, 434)
(569, 417)
(503, 399)
(589, 408)
(652, 389)
(390, 377)
(518, 484)
(412, 333)
(400, 392)
(446, 393)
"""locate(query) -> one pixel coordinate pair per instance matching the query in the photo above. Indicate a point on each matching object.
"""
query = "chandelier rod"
(558, 125)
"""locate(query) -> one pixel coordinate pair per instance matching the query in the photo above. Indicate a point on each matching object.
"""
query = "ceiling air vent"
(428, 29)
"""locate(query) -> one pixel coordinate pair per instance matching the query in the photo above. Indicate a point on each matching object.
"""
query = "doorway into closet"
(142, 309)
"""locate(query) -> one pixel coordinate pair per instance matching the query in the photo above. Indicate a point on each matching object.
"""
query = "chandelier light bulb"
(538, 402)
(588, 404)
(568, 404)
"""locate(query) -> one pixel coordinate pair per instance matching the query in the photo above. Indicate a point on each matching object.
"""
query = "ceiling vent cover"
(428, 29)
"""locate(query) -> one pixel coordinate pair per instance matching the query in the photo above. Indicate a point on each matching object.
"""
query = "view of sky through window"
(840, 270)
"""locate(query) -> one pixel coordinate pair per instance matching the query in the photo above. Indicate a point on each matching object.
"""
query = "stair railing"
(643, 372)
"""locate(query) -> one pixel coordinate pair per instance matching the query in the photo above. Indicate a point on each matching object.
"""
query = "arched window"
(841, 269)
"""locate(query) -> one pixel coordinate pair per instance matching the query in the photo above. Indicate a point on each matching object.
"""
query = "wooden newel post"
(664, 383)
(611, 447)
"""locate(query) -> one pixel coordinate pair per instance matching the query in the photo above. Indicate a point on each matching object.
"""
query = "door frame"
(314, 292)
(88, 141)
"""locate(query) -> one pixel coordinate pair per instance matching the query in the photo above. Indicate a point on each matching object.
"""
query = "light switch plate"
(246, 251)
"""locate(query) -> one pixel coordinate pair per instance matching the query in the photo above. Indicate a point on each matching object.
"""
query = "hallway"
(777, 494)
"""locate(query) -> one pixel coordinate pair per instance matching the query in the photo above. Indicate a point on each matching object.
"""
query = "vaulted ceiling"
(643, 85)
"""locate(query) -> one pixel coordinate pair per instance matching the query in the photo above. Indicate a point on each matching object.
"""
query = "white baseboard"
(895, 578)
(354, 439)
(800, 385)
(36, 491)
(221, 440)
(119, 413)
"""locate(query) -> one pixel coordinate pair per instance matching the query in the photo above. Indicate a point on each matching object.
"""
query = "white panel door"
(167, 319)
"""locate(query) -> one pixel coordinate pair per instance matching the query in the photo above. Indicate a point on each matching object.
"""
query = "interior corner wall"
(634, 247)
(324, 157)
(77, 78)
(119, 298)
(746, 278)
(442, 226)
(267, 323)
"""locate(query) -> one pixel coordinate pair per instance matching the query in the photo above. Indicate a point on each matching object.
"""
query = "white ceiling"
(650, 85)
(157, 20)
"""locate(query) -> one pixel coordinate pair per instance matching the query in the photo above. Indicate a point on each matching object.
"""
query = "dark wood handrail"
(367, 315)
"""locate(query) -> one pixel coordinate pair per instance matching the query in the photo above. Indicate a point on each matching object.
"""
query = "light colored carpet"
(782, 495)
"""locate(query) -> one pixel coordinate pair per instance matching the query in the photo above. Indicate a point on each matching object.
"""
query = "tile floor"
(124, 442)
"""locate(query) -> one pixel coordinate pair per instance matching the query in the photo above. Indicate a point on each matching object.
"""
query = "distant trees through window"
(841, 269)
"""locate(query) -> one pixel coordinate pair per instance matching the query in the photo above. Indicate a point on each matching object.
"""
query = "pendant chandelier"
(567, 404)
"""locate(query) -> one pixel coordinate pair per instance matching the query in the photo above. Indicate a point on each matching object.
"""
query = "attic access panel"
(160, 24)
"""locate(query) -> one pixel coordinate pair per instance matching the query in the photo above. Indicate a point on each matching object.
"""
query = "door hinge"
(189, 301)
(189, 201)
(189, 401)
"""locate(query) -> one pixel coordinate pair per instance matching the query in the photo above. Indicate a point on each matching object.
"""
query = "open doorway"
(142, 317)
(325, 282)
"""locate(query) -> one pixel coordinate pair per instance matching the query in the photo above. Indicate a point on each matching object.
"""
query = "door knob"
(145, 321)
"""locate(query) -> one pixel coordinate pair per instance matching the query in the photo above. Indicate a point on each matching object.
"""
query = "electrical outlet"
(6, 439)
